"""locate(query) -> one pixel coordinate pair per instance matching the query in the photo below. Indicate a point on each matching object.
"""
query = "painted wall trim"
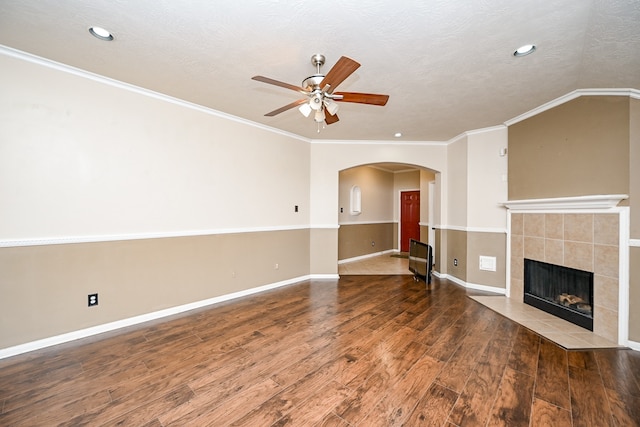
(324, 226)
(95, 330)
(454, 279)
(14, 53)
(634, 243)
(361, 257)
(8, 243)
(633, 93)
(633, 345)
(367, 222)
(471, 229)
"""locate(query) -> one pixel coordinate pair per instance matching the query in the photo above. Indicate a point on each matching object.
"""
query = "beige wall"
(456, 249)
(329, 158)
(380, 215)
(426, 177)
(45, 288)
(135, 164)
(588, 146)
(323, 251)
(476, 221)
(424, 235)
(132, 166)
(487, 179)
(577, 148)
(362, 239)
(491, 245)
(457, 184)
(376, 188)
(439, 252)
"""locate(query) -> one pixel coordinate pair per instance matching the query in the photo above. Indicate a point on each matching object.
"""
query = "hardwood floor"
(359, 351)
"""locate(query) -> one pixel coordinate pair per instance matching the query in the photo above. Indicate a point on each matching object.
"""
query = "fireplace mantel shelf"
(567, 203)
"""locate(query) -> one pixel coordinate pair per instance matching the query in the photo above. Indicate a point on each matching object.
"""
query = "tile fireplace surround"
(587, 233)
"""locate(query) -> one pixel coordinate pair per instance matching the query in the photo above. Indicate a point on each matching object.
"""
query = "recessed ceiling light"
(397, 134)
(525, 50)
(101, 33)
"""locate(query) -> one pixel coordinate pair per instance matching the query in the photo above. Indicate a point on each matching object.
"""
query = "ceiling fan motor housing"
(312, 82)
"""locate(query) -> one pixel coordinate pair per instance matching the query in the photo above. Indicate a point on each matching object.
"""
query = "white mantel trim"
(607, 201)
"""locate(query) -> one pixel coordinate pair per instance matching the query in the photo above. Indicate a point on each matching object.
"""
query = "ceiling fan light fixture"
(524, 50)
(316, 101)
(305, 109)
(319, 116)
(332, 107)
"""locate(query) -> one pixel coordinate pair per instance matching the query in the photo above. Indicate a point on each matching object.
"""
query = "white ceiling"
(447, 65)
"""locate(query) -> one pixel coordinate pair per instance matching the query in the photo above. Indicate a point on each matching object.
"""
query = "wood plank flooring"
(358, 351)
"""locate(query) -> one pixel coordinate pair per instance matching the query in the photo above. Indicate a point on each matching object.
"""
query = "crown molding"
(14, 53)
(632, 93)
(476, 132)
(34, 59)
(376, 142)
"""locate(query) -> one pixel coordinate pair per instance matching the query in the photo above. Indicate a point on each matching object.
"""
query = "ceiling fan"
(318, 89)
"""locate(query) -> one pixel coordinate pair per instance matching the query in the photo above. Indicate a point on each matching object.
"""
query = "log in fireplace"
(562, 291)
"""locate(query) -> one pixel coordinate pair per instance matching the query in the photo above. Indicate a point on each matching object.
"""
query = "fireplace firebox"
(562, 291)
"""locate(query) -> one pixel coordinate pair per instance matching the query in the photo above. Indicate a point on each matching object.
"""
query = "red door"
(409, 218)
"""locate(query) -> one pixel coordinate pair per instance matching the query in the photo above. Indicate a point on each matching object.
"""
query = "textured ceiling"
(447, 65)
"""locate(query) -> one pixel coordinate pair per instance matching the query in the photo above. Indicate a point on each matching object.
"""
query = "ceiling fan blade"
(362, 98)
(278, 83)
(329, 119)
(286, 107)
(336, 75)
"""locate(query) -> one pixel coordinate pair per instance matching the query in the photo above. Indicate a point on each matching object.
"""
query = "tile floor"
(561, 332)
(379, 264)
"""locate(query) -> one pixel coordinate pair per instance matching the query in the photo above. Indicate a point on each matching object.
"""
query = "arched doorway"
(377, 229)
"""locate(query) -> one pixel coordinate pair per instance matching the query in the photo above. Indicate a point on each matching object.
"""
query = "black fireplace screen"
(562, 291)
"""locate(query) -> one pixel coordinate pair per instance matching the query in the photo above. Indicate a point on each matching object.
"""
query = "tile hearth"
(563, 333)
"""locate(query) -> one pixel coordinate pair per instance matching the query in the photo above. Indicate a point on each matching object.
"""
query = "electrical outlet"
(295, 208)
(92, 300)
(276, 266)
(373, 243)
(455, 262)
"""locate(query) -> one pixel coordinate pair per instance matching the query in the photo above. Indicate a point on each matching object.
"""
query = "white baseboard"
(484, 288)
(633, 345)
(95, 330)
(324, 276)
(360, 258)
